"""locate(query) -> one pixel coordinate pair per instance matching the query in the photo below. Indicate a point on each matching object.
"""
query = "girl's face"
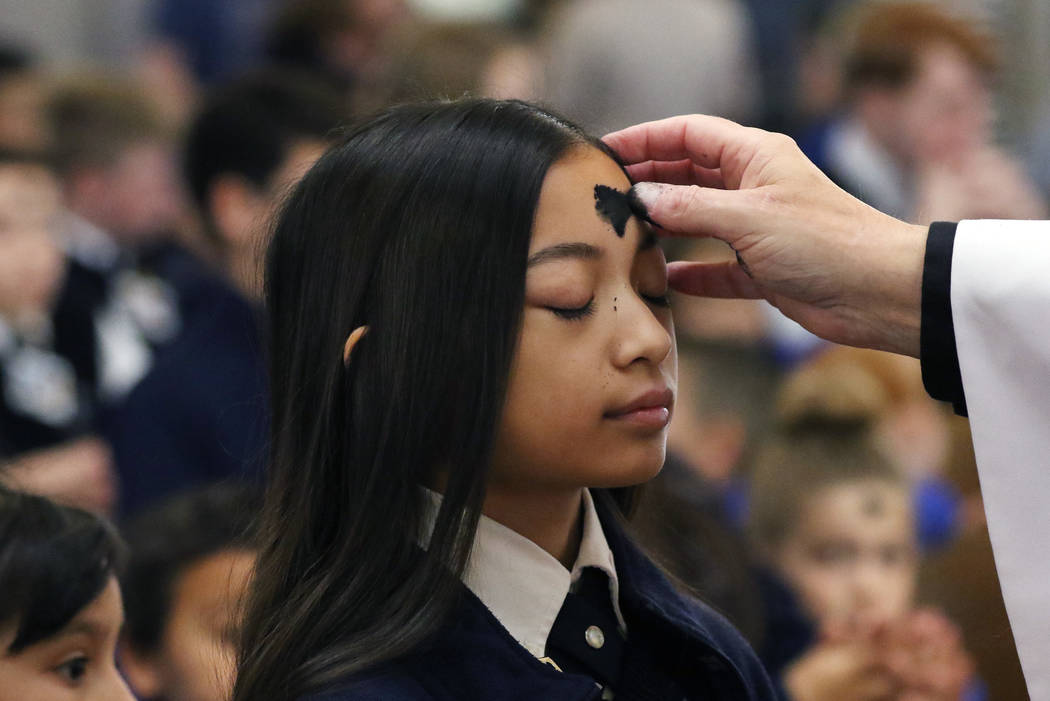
(853, 553)
(74, 664)
(594, 377)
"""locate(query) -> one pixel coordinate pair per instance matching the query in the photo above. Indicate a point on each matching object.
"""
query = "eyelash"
(578, 313)
(74, 669)
(575, 313)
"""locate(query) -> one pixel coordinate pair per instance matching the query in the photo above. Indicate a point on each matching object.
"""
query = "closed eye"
(574, 313)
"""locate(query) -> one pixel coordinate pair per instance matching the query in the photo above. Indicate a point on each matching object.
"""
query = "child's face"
(593, 380)
(74, 664)
(853, 553)
(196, 659)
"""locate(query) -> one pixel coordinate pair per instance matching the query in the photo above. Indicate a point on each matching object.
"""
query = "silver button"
(594, 637)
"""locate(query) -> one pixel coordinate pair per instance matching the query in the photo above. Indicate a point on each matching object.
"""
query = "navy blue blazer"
(474, 658)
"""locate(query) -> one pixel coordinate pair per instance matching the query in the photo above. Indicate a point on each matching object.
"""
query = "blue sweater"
(474, 658)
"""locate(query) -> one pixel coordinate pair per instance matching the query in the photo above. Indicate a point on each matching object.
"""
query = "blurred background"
(812, 493)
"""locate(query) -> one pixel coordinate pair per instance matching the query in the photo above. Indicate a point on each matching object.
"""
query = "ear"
(351, 341)
(141, 670)
(235, 207)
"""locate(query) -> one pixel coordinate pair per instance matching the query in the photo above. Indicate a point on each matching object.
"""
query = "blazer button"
(594, 637)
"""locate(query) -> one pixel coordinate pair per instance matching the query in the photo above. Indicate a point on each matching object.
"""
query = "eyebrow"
(582, 251)
(89, 628)
(560, 251)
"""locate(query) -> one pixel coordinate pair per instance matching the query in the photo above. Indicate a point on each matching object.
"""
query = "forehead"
(566, 209)
(864, 510)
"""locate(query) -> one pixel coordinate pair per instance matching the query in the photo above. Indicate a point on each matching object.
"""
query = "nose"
(116, 689)
(641, 335)
(869, 586)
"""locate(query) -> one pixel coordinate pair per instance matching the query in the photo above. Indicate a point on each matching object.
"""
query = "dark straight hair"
(54, 561)
(417, 224)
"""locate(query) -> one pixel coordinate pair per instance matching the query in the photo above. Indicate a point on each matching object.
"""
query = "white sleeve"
(1000, 296)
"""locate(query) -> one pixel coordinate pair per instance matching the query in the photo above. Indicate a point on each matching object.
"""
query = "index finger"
(701, 138)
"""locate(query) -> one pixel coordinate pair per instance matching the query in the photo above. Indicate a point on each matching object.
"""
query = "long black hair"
(54, 561)
(417, 224)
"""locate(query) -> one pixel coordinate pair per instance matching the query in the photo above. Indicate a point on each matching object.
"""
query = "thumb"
(691, 210)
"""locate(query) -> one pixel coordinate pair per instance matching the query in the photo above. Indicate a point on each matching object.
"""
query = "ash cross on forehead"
(617, 207)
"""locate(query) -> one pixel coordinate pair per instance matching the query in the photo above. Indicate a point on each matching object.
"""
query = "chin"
(632, 468)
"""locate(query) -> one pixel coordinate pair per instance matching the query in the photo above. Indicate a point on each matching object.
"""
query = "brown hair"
(826, 415)
(889, 38)
(93, 119)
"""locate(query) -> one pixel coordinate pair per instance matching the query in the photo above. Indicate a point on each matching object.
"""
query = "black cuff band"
(937, 350)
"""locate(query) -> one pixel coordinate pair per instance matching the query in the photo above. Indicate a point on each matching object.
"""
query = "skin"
(31, 264)
(136, 199)
(852, 553)
(596, 334)
(195, 661)
(239, 210)
(75, 664)
(943, 111)
(838, 267)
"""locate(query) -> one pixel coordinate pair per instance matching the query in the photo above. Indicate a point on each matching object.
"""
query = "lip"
(651, 409)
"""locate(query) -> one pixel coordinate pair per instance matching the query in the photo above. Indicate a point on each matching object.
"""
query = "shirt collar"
(522, 584)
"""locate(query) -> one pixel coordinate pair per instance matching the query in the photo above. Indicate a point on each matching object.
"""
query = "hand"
(838, 671)
(926, 653)
(982, 184)
(827, 260)
(79, 473)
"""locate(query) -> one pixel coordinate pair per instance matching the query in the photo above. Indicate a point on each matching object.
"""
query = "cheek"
(22, 680)
(554, 398)
(200, 663)
(822, 590)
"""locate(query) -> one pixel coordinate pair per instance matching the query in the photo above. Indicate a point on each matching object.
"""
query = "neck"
(550, 519)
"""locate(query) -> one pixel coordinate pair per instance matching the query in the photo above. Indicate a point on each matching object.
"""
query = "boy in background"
(190, 561)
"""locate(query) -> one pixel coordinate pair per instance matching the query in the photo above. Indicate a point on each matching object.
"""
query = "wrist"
(894, 278)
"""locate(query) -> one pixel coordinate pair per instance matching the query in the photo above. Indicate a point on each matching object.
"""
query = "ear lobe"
(351, 341)
(141, 671)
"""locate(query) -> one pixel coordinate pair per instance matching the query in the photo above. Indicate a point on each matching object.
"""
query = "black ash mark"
(612, 206)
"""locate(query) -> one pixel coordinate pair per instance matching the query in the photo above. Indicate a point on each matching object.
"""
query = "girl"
(60, 612)
(473, 362)
(832, 516)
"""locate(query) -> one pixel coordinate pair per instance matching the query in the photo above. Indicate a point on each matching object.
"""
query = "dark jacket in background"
(201, 414)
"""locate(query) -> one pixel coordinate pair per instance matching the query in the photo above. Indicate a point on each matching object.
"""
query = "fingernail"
(642, 197)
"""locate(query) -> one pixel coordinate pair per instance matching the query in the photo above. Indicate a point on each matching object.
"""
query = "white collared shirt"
(522, 584)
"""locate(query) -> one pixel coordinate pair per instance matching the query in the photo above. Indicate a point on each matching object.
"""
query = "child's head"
(518, 338)
(189, 565)
(252, 137)
(115, 159)
(833, 515)
(60, 612)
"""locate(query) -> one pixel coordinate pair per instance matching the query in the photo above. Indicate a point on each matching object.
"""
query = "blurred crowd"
(813, 494)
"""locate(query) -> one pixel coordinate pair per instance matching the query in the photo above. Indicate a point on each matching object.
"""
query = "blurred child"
(833, 517)
(115, 159)
(51, 374)
(60, 613)
(200, 414)
(916, 135)
(190, 561)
